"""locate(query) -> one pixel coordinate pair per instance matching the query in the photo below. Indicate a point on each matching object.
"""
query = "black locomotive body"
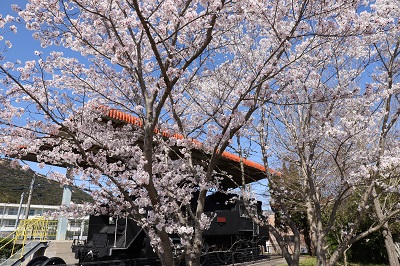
(112, 239)
(231, 230)
(232, 226)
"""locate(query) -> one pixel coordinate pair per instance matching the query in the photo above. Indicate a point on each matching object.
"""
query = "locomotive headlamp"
(221, 219)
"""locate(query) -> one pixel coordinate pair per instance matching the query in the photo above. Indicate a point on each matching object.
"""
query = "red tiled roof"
(119, 115)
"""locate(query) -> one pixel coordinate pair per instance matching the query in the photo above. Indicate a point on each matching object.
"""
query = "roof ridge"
(131, 119)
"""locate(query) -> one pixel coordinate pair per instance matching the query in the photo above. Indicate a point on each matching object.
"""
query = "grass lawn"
(311, 261)
(307, 261)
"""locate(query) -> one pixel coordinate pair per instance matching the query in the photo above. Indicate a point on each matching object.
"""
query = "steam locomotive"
(232, 234)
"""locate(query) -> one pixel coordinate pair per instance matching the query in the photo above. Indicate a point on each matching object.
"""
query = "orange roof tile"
(122, 116)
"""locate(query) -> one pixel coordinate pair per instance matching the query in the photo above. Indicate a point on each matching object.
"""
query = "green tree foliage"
(14, 181)
(369, 250)
(290, 178)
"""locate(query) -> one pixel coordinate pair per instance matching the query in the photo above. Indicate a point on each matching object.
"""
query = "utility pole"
(28, 204)
(2, 216)
(19, 209)
(66, 201)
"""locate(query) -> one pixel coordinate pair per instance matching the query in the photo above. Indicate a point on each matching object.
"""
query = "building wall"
(9, 217)
(273, 244)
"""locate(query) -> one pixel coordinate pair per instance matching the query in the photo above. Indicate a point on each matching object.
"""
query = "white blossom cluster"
(141, 99)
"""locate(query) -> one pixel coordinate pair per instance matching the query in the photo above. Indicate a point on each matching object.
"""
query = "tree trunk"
(387, 235)
(334, 258)
(320, 252)
(167, 258)
(307, 240)
(291, 260)
(316, 226)
(192, 257)
(390, 246)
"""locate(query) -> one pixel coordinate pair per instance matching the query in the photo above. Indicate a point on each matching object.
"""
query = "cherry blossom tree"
(113, 74)
(386, 81)
(340, 131)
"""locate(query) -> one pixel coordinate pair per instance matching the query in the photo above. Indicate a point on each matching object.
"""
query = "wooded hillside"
(14, 181)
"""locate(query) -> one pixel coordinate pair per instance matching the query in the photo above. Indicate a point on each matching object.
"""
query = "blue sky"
(23, 43)
(23, 48)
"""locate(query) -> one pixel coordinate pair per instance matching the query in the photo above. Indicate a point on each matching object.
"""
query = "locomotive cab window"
(243, 211)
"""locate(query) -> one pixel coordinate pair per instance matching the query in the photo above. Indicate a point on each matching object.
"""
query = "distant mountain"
(14, 181)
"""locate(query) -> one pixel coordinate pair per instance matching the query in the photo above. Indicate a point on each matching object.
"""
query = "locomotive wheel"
(224, 256)
(204, 259)
(53, 261)
(240, 251)
(204, 254)
(37, 261)
(89, 257)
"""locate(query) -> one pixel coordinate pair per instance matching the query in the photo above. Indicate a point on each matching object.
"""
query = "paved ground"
(274, 261)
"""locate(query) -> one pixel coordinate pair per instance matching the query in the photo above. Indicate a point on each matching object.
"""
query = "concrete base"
(61, 248)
